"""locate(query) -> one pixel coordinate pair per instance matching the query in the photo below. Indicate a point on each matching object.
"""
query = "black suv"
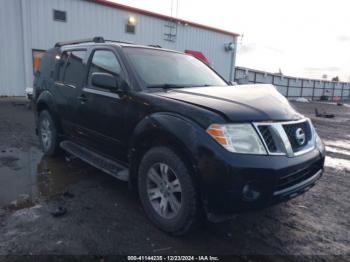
(188, 142)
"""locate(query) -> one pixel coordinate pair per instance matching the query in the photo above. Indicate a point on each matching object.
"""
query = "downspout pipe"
(233, 61)
(25, 42)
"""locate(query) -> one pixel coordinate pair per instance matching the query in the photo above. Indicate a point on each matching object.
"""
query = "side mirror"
(105, 80)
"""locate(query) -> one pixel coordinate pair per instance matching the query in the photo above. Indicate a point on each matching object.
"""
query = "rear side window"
(71, 68)
(61, 66)
(104, 61)
(75, 69)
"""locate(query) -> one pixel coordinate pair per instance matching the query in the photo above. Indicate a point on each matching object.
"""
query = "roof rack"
(96, 39)
(121, 42)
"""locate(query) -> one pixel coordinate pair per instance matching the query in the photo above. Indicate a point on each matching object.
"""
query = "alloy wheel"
(164, 190)
(46, 134)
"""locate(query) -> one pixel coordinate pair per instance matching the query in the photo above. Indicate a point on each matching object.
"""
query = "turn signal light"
(216, 132)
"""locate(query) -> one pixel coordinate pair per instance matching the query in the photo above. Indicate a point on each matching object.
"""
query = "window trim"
(100, 92)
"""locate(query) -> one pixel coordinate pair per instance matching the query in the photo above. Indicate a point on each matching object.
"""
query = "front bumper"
(276, 178)
(298, 188)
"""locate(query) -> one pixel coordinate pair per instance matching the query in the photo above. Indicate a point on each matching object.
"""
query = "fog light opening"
(250, 192)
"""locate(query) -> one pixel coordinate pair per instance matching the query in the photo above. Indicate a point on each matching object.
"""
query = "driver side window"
(104, 61)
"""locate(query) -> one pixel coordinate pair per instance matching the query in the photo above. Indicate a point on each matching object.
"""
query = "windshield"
(169, 69)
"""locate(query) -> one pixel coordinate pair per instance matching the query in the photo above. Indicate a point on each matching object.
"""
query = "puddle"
(27, 176)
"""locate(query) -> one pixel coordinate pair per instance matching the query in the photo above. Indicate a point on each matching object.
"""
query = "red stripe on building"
(161, 16)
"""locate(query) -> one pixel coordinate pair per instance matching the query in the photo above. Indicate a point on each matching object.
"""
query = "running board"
(106, 165)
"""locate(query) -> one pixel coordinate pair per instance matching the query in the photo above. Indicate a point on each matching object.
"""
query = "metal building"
(28, 27)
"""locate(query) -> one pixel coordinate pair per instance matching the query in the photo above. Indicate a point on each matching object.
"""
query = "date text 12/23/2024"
(173, 258)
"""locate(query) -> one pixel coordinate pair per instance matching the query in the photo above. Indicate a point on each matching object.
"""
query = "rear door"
(70, 75)
(101, 111)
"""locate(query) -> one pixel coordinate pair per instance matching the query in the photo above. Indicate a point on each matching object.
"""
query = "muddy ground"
(104, 218)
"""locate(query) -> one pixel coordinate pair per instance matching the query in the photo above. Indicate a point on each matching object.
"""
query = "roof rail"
(96, 39)
(117, 41)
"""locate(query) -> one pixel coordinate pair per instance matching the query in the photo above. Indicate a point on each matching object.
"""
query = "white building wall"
(85, 20)
(11, 49)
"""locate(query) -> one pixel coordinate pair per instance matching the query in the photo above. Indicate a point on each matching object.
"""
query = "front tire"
(48, 135)
(167, 191)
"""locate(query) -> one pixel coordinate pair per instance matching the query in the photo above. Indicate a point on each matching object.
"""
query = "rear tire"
(167, 191)
(48, 134)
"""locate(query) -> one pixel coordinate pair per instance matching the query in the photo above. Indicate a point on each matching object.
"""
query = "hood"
(238, 103)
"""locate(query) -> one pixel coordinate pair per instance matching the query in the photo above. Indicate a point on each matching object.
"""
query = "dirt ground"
(104, 218)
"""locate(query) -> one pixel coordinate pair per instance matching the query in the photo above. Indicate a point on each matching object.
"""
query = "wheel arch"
(46, 102)
(159, 130)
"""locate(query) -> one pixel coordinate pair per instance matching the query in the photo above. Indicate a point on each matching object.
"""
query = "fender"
(184, 133)
(181, 131)
(184, 130)
(48, 100)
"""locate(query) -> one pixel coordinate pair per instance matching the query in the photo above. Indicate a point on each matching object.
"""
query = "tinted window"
(61, 65)
(104, 61)
(157, 67)
(75, 69)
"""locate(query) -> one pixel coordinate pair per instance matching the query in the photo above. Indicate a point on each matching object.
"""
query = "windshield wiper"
(166, 86)
(205, 85)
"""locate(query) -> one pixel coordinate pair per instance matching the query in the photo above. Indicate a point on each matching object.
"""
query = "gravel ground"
(104, 218)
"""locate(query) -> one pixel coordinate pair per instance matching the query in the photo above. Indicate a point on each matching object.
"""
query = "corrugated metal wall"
(11, 49)
(293, 86)
(86, 19)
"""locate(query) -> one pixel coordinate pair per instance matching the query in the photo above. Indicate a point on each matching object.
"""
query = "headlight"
(237, 138)
(319, 143)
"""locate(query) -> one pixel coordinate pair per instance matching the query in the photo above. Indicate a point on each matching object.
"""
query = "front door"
(101, 111)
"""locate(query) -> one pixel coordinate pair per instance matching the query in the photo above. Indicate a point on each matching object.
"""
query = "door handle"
(65, 85)
(59, 84)
(70, 86)
(82, 99)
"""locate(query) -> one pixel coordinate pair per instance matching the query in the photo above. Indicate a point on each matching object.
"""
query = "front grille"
(287, 138)
(291, 129)
(267, 136)
(297, 177)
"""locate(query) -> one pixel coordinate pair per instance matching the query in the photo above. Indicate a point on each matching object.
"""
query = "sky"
(308, 38)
